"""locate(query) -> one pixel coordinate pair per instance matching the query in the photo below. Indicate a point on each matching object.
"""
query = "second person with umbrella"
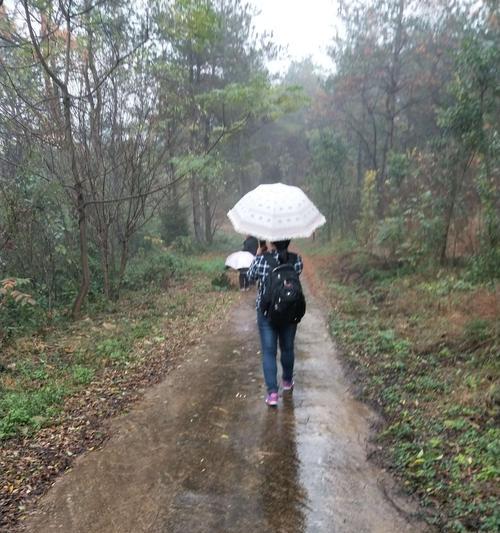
(250, 244)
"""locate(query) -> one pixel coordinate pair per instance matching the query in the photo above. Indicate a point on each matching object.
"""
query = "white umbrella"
(239, 260)
(276, 212)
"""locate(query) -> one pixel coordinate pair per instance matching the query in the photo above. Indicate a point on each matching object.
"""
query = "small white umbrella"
(239, 260)
(276, 212)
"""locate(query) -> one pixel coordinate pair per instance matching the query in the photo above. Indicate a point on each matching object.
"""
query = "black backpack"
(282, 300)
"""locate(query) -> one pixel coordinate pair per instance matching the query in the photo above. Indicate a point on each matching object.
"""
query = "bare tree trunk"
(123, 264)
(206, 192)
(359, 174)
(243, 178)
(81, 209)
(70, 152)
(105, 263)
(390, 106)
(84, 256)
(112, 263)
(456, 185)
(207, 213)
(196, 205)
(447, 224)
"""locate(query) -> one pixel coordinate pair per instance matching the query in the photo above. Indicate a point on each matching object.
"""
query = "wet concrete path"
(203, 453)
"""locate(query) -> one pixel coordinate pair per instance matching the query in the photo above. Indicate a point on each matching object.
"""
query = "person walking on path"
(270, 334)
(250, 244)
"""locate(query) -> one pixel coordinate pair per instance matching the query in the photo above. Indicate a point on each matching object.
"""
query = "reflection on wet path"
(237, 461)
(282, 495)
(202, 452)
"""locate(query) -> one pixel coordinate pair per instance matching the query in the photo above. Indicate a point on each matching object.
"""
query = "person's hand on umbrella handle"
(262, 248)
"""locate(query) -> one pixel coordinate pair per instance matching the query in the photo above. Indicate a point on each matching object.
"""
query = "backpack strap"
(273, 263)
(271, 260)
(292, 258)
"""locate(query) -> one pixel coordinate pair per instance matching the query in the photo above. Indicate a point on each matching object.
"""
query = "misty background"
(121, 125)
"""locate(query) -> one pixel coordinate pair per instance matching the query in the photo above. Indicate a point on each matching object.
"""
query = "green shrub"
(82, 375)
(477, 330)
(445, 286)
(155, 268)
(186, 245)
(207, 265)
(221, 282)
(227, 242)
(485, 266)
(117, 349)
(28, 410)
(173, 223)
(19, 312)
(390, 235)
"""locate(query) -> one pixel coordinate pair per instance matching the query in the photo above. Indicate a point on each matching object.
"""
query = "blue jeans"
(269, 337)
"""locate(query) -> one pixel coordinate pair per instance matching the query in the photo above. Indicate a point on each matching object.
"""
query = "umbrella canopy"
(239, 260)
(276, 212)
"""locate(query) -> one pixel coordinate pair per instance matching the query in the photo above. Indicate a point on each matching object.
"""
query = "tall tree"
(77, 51)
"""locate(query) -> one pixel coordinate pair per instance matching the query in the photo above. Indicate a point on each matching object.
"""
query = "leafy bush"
(116, 349)
(221, 282)
(186, 245)
(368, 217)
(18, 310)
(477, 331)
(446, 285)
(398, 168)
(207, 265)
(427, 239)
(156, 269)
(390, 235)
(28, 411)
(485, 266)
(227, 242)
(82, 375)
(173, 223)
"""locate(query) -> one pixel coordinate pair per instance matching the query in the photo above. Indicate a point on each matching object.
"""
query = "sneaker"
(272, 399)
(287, 385)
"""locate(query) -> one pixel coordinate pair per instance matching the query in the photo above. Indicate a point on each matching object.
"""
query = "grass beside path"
(424, 349)
(59, 385)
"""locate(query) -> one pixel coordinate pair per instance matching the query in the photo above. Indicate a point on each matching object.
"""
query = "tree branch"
(38, 52)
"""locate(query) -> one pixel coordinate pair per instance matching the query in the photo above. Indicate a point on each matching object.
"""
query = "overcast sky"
(306, 27)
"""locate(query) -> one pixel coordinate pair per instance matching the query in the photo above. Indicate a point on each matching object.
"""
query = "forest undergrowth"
(422, 347)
